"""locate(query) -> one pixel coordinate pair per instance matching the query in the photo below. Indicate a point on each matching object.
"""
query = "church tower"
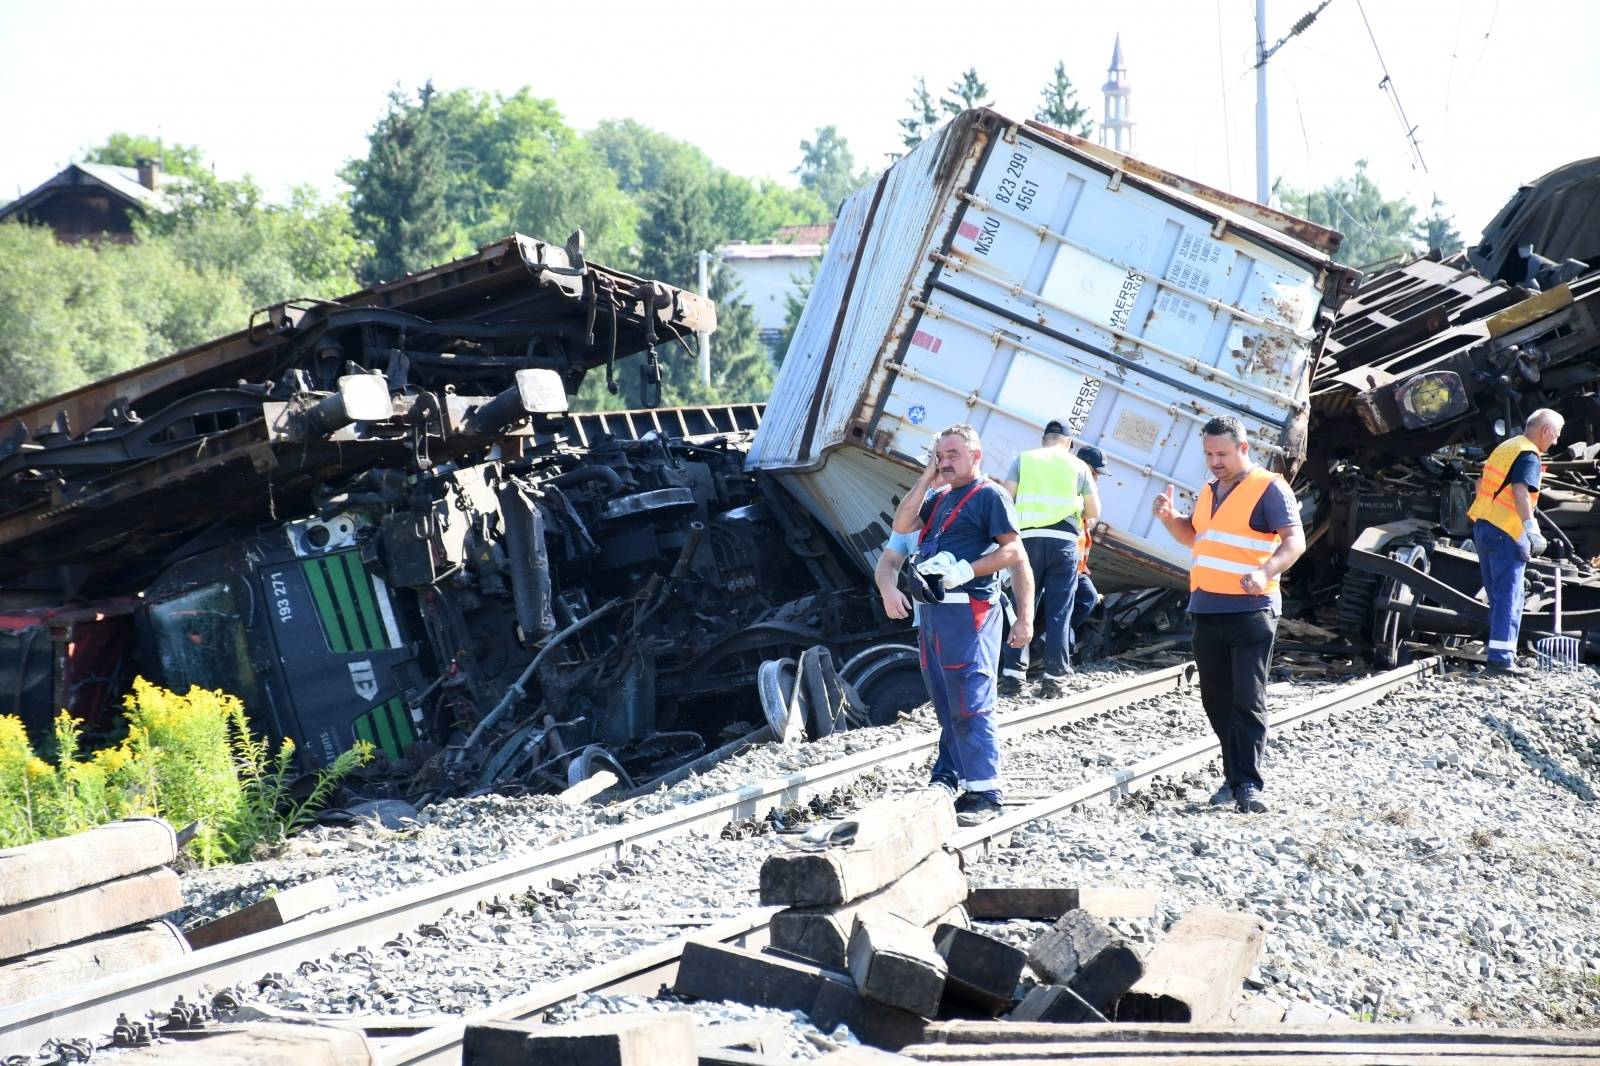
(1116, 129)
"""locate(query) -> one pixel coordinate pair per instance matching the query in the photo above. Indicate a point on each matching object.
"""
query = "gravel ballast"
(1432, 857)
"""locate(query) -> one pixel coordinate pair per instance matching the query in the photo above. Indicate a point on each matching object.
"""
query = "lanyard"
(951, 516)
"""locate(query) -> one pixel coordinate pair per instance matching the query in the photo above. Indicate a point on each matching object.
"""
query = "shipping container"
(1003, 275)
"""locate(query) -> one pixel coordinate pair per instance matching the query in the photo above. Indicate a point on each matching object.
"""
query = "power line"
(1227, 123)
(1394, 94)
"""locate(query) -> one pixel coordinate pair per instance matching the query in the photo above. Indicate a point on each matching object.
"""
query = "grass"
(1398, 816)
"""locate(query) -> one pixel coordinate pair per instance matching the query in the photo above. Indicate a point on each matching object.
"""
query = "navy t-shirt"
(1277, 509)
(1525, 471)
(981, 521)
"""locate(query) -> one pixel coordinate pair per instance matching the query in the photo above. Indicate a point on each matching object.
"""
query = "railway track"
(95, 1008)
(645, 971)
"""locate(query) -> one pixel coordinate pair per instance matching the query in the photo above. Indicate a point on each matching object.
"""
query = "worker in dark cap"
(1056, 500)
(1085, 598)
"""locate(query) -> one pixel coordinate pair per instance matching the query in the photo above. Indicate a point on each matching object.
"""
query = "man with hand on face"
(1505, 531)
(1244, 532)
(960, 530)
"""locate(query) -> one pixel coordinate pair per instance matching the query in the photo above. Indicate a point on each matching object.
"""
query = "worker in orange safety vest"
(1245, 531)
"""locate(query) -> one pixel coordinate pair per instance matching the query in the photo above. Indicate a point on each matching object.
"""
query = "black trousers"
(1232, 652)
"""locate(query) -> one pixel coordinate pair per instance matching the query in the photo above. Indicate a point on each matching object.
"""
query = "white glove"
(955, 572)
(1536, 542)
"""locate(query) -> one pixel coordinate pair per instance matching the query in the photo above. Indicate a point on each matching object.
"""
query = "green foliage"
(306, 247)
(826, 166)
(398, 192)
(127, 149)
(924, 118)
(488, 142)
(927, 114)
(1438, 231)
(743, 210)
(1376, 230)
(794, 304)
(679, 222)
(742, 368)
(189, 758)
(1059, 105)
(570, 189)
(967, 91)
(641, 157)
(70, 314)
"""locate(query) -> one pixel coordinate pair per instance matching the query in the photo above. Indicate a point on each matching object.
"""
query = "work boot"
(1051, 687)
(1249, 800)
(1221, 797)
(1505, 668)
(1009, 686)
(946, 784)
(975, 808)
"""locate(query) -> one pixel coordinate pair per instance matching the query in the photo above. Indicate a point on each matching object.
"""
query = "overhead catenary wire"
(1227, 122)
(1388, 85)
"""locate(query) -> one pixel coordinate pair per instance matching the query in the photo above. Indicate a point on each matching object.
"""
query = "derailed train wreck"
(375, 519)
(1425, 370)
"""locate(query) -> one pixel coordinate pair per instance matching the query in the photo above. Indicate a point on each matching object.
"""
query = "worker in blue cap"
(1086, 598)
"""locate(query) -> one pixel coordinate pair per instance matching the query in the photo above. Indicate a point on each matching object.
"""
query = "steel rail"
(644, 971)
(94, 1007)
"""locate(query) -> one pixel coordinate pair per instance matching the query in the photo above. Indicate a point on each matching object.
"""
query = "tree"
(745, 210)
(306, 247)
(924, 118)
(794, 305)
(570, 189)
(398, 192)
(127, 149)
(640, 156)
(70, 314)
(967, 91)
(678, 224)
(1059, 106)
(825, 166)
(488, 142)
(1437, 232)
(1376, 230)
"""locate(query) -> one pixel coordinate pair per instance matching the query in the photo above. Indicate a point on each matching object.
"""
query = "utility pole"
(705, 338)
(1263, 182)
(1263, 53)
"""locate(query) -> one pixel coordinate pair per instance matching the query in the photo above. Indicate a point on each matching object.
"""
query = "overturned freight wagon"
(374, 518)
(1006, 274)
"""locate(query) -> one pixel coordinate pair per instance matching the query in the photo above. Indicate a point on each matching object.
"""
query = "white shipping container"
(1004, 275)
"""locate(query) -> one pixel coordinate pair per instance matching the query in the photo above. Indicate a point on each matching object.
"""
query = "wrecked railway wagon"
(1430, 366)
(1005, 274)
(375, 518)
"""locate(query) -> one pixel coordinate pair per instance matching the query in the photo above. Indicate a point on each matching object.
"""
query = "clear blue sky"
(1499, 92)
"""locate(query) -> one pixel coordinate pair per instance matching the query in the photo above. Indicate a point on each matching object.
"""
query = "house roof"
(770, 251)
(809, 234)
(121, 182)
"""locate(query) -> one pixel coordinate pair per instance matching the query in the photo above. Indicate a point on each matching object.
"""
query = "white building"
(767, 275)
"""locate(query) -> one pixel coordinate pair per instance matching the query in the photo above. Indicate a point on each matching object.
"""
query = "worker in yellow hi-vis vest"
(1056, 500)
(1506, 531)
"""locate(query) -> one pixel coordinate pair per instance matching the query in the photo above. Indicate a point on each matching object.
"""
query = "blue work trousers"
(1084, 599)
(1054, 561)
(1502, 561)
(960, 645)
